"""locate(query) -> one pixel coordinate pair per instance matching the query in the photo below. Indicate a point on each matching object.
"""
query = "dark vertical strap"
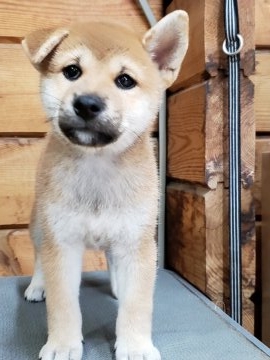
(232, 46)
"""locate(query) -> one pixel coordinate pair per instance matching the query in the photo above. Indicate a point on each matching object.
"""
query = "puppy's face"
(100, 84)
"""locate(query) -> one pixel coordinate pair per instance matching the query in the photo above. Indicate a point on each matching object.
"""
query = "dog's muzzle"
(88, 125)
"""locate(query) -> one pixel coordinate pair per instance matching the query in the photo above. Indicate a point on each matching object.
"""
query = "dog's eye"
(125, 82)
(72, 72)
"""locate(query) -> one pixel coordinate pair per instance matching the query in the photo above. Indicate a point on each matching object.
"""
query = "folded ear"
(39, 44)
(167, 44)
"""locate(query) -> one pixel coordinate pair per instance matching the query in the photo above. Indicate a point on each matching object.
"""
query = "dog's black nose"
(88, 106)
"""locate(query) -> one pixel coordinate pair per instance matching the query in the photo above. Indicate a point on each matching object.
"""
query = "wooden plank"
(195, 134)
(262, 146)
(248, 237)
(257, 297)
(262, 25)
(193, 67)
(22, 115)
(186, 136)
(261, 80)
(197, 243)
(266, 249)
(9, 265)
(21, 110)
(247, 132)
(195, 236)
(18, 17)
(205, 55)
(198, 133)
(18, 162)
(186, 250)
(17, 254)
(18, 76)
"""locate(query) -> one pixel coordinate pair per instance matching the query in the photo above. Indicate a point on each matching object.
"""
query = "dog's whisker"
(50, 95)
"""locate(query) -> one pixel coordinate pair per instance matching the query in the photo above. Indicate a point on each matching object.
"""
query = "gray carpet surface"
(184, 326)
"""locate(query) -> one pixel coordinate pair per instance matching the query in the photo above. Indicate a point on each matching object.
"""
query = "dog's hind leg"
(36, 291)
(112, 267)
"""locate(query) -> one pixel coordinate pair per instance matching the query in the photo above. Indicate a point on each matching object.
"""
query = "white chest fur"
(100, 201)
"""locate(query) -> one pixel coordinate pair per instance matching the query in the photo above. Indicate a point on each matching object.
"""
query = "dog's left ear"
(167, 44)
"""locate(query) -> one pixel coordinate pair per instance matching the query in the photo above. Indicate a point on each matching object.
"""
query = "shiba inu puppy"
(97, 183)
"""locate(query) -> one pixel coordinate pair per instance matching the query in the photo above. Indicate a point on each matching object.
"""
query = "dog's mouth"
(89, 137)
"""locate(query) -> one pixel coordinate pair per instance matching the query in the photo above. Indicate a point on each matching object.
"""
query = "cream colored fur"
(95, 195)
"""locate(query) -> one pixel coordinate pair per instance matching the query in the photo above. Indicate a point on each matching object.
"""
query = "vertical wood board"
(261, 80)
(262, 146)
(249, 257)
(195, 134)
(266, 249)
(186, 252)
(262, 24)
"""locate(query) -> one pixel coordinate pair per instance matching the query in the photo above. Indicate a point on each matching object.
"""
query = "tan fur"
(97, 183)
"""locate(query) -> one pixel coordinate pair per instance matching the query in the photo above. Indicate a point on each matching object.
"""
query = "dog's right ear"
(39, 44)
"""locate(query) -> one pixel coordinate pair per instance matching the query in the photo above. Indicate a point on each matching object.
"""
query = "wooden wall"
(261, 79)
(22, 121)
(197, 191)
(265, 246)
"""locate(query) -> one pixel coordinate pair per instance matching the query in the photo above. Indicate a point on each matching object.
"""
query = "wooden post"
(266, 248)
(197, 207)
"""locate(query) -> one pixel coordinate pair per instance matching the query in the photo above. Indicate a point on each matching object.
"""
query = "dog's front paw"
(53, 351)
(34, 293)
(144, 352)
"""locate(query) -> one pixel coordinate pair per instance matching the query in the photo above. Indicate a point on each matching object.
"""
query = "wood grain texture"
(186, 135)
(21, 110)
(195, 236)
(18, 17)
(198, 245)
(17, 254)
(249, 258)
(186, 247)
(266, 249)
(262, 146)
(17, 74)
(247, 132)
(195, 134)
(198, 133)
(18, 162)
(205, 55)
(261, 80)
(262, 24)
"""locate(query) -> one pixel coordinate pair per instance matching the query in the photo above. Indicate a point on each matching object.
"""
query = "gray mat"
(185, 327)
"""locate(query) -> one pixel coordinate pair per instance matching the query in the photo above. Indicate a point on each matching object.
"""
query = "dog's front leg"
(136, 271)
(62, 271)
